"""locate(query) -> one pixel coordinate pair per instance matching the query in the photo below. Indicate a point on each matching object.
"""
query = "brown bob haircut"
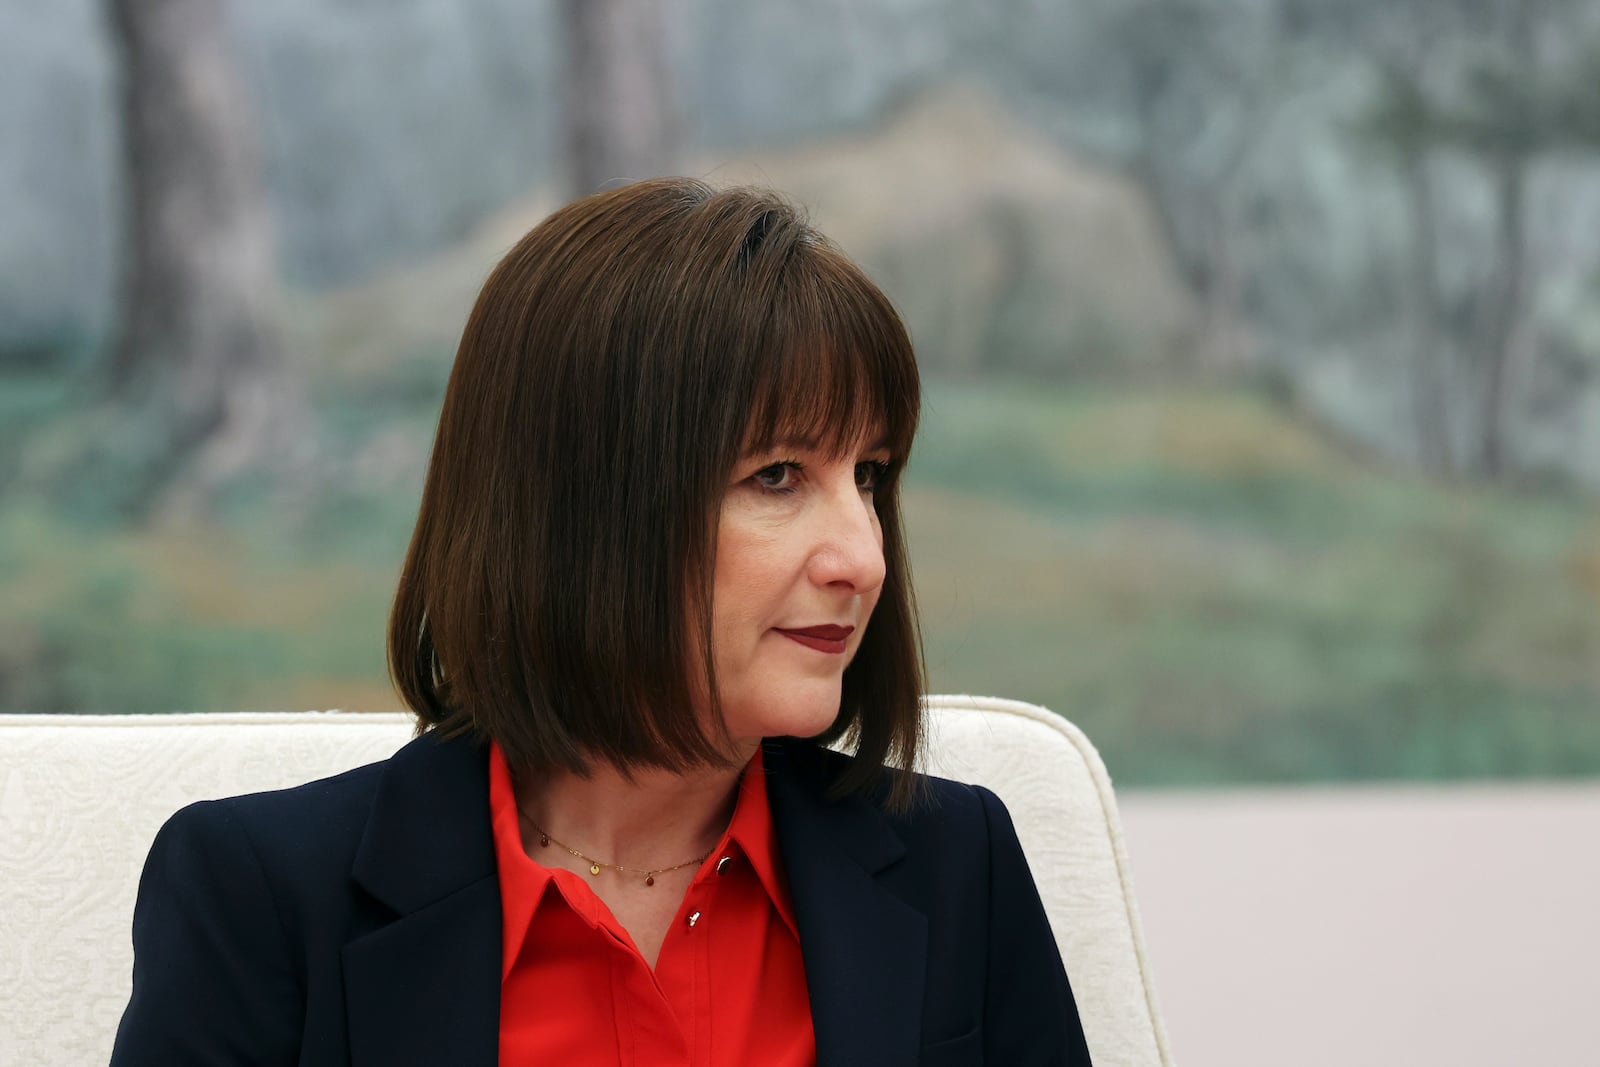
(618, 362)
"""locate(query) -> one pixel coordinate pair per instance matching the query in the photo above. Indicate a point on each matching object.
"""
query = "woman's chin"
(797, 715)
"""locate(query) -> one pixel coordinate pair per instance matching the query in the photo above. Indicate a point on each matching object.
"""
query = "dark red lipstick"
(830, 639)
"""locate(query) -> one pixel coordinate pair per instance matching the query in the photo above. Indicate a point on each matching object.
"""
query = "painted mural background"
(1262, 339)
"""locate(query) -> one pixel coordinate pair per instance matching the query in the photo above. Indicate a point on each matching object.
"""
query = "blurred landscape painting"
(1261, 340)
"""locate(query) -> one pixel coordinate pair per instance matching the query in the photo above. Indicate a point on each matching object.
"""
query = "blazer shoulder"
(311, 827)
(949, 814)
(241, 903)
(316, 800)
(942, 806)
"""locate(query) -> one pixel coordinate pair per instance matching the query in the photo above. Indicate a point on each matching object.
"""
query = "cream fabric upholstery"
(81, 798)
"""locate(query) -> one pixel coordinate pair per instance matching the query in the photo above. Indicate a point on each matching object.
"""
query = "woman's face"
(798, 571)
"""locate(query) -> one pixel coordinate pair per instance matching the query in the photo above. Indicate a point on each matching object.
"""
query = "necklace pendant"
(594, 868)
(544, 840)
(649, 879)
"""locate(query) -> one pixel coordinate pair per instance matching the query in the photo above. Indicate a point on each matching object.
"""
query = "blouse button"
(723, 864)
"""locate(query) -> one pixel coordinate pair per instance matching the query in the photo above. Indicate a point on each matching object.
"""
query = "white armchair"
(81, 798)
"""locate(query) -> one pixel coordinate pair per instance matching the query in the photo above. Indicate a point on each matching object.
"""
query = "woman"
(661, 512)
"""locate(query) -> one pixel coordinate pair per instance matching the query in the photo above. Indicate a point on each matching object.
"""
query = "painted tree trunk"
(1431, 386)
(1503, 307)
(198, 353)
(621, 118)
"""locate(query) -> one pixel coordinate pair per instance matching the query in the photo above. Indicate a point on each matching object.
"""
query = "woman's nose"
(849, 548)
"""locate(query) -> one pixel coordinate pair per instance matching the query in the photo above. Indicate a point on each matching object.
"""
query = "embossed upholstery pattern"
(81, 798)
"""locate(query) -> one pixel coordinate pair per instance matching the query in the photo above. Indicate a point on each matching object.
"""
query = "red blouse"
(729, 985)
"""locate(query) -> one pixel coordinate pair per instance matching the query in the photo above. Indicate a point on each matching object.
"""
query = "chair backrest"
(81, 798)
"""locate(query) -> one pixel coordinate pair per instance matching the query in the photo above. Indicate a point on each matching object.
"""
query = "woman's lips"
(829, 639)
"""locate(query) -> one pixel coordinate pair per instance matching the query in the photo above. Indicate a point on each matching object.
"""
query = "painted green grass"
(1215, 595)
(1212, 591)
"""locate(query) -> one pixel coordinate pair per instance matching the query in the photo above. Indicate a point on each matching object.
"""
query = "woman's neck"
(658, 818)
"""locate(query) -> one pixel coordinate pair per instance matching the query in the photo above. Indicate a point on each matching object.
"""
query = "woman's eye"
(778, 478)
(870, 473)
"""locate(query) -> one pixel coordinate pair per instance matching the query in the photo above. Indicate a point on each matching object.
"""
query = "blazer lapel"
(865, 949)
(424, 988)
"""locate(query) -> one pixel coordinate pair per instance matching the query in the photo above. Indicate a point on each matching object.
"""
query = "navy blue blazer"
(356, 921)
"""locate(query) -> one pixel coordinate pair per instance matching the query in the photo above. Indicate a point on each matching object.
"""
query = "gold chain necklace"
(545, 841)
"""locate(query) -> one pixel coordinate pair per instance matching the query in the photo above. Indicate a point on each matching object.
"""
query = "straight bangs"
(839, 371)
